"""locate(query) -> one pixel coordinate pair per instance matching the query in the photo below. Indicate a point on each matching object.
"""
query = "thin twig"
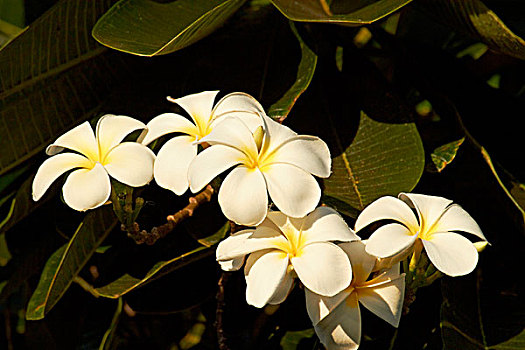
(221, 338)
(143, 236)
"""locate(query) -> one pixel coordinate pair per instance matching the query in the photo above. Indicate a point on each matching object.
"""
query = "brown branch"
(143, 236)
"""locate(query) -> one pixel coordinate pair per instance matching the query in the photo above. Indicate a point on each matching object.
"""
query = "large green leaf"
(127, 283)
(66, 263)
(305, 73)
(475, 18)
(349, 13)
(150, 28)
(52, 76)
(383, 159)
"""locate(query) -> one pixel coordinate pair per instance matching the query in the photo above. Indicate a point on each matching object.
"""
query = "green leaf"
(52, 76)
(476, 19)
(67, 261)
(305, 72)
(383, 159)
(149, 28)
(443, 155)
(5, 255)
(518, 342)
(291, 340)
(8, 32)
(107, 340)
(349, 13)
(127, 283)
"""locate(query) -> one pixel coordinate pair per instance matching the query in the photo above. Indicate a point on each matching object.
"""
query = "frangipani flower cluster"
(299, 242)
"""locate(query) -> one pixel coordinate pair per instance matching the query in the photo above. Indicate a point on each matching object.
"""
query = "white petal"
(389, 208)
(240, 105)
(231, 131)
(172, 163)
(294, 191)
(164, 124)
(386, 300)
(264, 272)
(249, 241)
(429, 208)
(53, 167)
(232, 265)
(198, 106)
(131, 163)
(452, 254)
(309, 153)
(284, 222)
(275, 134)
(389, 240)
(456, 218)
(341, 329)
(210, 163)
(325, 224)
(362, 262)
(243, 197)
(282, 291)
(318, 306)
(324, 268)
(87, 189)
(112, 129)
(229, 244)
(80, 139)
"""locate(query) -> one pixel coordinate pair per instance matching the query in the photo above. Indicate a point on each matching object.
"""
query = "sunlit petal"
(53, 167)
(282, 291)
(210, 163)
(341, 329)
(231, 265)
(318, 306)
(87, 189)
(112, 129)
(173, 161)
(130, 163)
(429, 208)
(198, 106)
(362, 262)
(240, 105)
(294, 191)
(390, 240)
(234, 133)
(80, 139)
(386, 300)
(452, 254)
(249, 241)
(309, 153)
(324, 268)
(164, 124)
(389, 208)
(243, 197)
(264, 272)
(325, 224)
(275, 134)
(456, 218)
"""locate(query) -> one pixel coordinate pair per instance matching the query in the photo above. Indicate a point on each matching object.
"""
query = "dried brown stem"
(143, 236)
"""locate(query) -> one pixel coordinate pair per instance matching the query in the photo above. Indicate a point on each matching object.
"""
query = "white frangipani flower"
(337, 320)
(98, 158)
(436, 219)
(173, 159)
(282, 248)
(273, 160)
